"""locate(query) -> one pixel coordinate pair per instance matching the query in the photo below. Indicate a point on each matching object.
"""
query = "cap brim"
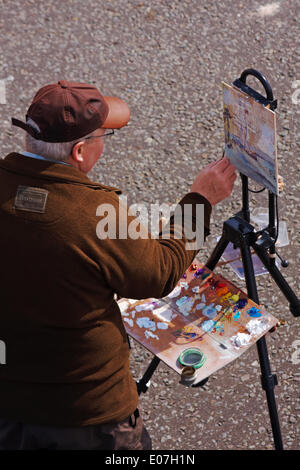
(118, 113)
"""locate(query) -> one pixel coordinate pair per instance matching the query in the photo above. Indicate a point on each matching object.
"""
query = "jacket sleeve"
(151, 267)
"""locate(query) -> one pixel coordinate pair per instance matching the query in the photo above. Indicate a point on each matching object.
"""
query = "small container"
(188, 374)
(192, 357)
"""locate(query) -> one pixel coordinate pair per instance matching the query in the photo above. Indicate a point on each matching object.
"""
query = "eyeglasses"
(104, 135)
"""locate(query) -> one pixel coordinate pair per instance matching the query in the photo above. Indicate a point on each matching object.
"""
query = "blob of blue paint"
(237, 315)
(208, 325)
(180, 302)
(200, 273)
(241, 303)
(254, 312)
(210, 312)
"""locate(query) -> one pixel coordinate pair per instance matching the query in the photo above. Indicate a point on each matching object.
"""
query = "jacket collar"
(43, 169)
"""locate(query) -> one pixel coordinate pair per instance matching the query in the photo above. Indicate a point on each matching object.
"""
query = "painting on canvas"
(250, 137)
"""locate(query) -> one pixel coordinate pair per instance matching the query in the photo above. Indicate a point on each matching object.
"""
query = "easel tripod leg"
(217, 253)
(280, 281)
(142, 384)
(268, 379)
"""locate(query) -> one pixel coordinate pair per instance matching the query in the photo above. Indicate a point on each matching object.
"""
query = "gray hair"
(56, 151)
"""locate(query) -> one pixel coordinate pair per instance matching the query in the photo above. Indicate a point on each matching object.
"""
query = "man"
(66, 382)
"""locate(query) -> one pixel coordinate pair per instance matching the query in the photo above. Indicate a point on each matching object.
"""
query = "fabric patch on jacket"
(31, 199)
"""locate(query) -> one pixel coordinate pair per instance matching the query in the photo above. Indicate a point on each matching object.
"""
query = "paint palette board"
(204, 311)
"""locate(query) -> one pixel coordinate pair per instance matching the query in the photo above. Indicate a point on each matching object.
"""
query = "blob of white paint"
(123, 306)
(164, 313)
(175, 292)
(162, 326)
(210, 311)
(148, 334)
(208, 325)
(144, 322)
(186, 306)
(269, 9)
(257, 326)
(241, 339)
(145, 306)
(200, 306)
(129, 321)
(182, 301)
(184, 284)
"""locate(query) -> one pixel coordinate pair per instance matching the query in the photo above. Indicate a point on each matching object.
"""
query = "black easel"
(242, 234)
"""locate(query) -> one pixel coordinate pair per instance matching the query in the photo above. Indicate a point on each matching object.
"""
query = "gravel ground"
(167, 59)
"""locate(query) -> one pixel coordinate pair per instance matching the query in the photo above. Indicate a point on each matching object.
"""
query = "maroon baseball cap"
(67, 111)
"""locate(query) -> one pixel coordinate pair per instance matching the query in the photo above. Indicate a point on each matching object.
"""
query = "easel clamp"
(269, 382)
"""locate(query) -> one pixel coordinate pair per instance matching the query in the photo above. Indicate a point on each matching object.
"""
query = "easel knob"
(280, 183)
(281, 322)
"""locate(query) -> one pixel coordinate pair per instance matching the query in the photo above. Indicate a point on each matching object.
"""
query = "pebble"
(292, 419)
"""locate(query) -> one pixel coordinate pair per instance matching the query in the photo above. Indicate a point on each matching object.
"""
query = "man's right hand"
(215, 182)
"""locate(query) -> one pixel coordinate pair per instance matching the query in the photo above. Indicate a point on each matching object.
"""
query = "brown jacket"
(67, 355)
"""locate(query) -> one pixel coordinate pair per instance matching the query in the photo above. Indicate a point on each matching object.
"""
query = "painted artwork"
(250, 137)
(203, 311)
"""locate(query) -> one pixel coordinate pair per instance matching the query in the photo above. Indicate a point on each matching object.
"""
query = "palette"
(204, 311)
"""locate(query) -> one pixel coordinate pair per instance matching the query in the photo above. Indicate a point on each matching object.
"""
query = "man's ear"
(77, 151)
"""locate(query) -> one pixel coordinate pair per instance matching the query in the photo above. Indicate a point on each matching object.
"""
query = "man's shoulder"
(97, 198)
(95, 192)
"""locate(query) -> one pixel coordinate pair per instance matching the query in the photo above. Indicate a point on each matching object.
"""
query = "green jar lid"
(192, 357)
